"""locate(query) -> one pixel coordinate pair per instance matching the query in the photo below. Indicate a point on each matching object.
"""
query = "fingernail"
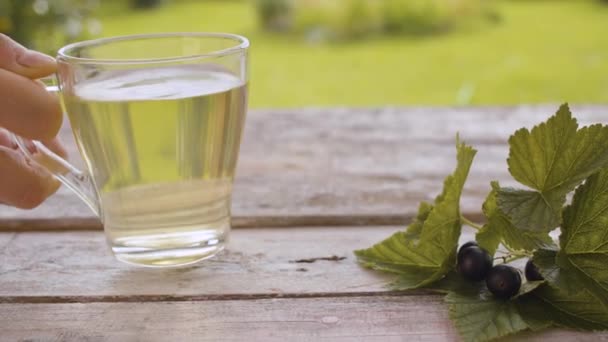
(34, 59)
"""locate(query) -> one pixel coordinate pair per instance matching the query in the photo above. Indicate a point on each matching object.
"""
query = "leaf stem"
(470, 223)
(507, 260)
(512, 256)
(515, 252)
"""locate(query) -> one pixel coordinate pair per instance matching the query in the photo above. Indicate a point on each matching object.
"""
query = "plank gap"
(243, 222)
(203, 298)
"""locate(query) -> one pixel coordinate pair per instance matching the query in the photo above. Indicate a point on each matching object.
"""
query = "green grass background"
(541, 51)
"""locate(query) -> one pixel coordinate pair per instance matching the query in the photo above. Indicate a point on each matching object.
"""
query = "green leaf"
(454, 282)
(556, 155)
(550, 306)
(500, 229)
(553, 158)
(546, 262)
(585, 227)
(489, 238)
(483, 318)
(411, 277)
(584, 237)
(531, 210)
(529, 286)
(426, 252)
(591, 274)
(415, 228)
(537, 322)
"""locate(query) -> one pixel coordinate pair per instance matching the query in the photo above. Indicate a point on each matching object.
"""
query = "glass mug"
(158, 121)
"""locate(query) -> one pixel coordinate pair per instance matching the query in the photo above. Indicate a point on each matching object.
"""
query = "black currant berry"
(503, 281)
(467, 245)
(474, 263)
(532, 272)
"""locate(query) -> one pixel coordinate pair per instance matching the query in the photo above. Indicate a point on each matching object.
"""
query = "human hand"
(28, 110)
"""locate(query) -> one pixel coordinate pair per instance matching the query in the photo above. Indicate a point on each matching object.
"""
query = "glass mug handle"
(76, 180)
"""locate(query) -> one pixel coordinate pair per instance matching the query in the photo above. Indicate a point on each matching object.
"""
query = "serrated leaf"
(553, 158)
(484, 318)
(500, 229)
(556, 155)
(584, 237)
(585, 227)
(429, 245)
(548, 305)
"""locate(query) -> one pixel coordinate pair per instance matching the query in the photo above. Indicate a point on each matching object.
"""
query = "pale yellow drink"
(162, 145)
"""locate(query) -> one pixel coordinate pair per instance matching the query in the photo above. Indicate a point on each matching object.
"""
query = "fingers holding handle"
(27, 110)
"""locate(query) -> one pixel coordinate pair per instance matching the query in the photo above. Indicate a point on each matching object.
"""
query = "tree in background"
(353, 19)
(46, 25)
(275, 15)
(146, 3)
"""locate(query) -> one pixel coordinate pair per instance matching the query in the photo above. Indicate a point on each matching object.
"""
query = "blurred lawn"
(542, 51)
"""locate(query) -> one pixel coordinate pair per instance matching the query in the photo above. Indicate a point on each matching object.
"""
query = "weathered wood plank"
(50, 267)
(39, 266)
(311, 164)
(379, 318)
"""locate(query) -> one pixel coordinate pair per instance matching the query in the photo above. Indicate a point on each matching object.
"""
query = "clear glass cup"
(158, 121)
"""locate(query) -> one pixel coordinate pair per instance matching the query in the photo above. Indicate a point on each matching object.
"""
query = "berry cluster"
(476, 264)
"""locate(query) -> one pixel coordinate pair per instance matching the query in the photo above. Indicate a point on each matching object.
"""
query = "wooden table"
(312, 186)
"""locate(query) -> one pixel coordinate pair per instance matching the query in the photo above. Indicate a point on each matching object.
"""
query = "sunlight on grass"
(541, 52)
